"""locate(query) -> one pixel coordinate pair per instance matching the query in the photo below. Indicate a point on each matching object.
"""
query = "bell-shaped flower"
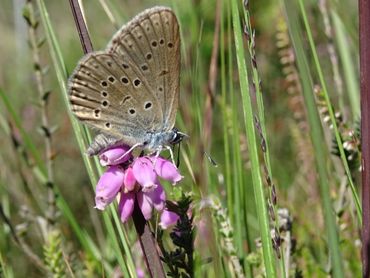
(115, 155)
(144, 173)
(166, 170)
(145, 205)
(157, 197)
(147, 200)
(108, 186)
(126, 205)
(129, 180)
(168, 218)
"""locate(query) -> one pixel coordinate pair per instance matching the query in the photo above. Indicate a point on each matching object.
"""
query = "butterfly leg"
(157, 153)
(160, 149)
(137, 145)
(171, 154)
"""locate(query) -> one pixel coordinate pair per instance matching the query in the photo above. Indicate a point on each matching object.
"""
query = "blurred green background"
(23, 194)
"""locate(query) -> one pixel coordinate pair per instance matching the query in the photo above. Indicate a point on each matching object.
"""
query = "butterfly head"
(178, 136)
(165, 138)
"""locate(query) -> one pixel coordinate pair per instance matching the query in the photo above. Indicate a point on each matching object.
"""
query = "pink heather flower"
(126, 205)
(108, 186)
(144, 204)
(168, 218)
(157, 197)
(148, 200)
(140, 272)
(115, 156)
(166, 170)
(144, 173)
(129, 179)
(138, 181)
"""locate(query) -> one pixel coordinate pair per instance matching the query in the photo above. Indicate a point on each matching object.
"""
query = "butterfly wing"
(115, 97)
(152, 42)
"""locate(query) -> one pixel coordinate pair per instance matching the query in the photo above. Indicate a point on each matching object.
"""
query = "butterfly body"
(129, 92)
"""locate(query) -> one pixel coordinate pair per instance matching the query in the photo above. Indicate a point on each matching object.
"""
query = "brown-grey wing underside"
(152, 42)
(114, 96)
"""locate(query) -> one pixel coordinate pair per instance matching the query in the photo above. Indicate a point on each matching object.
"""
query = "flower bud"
(168, 218)
(129, 180)
(115, 155)
(126, 205)
(108, 186)
(166, 170)
(144, 174)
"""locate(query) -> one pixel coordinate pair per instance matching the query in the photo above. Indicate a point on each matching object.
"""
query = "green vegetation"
(269, 97)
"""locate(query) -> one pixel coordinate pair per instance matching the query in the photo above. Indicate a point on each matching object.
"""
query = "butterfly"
(129, 92)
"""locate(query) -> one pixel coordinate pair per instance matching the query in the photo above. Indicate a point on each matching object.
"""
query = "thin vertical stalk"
(317, 137)
(364, 11)
(250, 33)
(337, 78)
(260, 197)
(43, 98)
(348, 64)
(331, 112)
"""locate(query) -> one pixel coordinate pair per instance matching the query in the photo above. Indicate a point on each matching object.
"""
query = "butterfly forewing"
(152, 41)
(113, 97)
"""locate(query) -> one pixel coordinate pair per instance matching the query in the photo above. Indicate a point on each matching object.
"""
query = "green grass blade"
(317, 136)
(349, 65)
(331, 113)
(252, 145)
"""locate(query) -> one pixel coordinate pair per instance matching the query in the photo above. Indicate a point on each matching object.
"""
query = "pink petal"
(145, 205)
(140, 272)
(144, 173)
(129, 180)
(108, 186)
(168, 218)
(126, 205)
(167, 170)
(115, 156)
(157, 197)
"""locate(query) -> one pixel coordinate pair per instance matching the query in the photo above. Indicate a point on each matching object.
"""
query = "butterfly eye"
(104, 83)
(148, 56)
(161, 42)
(154, 43)
(104, 94)
(170, 45)
(125, 66)
(107, 125)
(111, 79)
(144, 67)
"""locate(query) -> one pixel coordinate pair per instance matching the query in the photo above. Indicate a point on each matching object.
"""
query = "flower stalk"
(35, 45)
